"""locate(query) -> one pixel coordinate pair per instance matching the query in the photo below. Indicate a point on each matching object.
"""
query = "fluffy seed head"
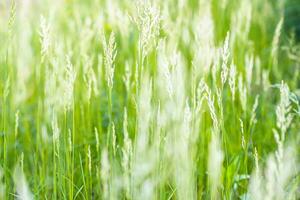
(110, 54)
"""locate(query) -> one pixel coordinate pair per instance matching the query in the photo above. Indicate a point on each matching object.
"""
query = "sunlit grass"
(149, 99)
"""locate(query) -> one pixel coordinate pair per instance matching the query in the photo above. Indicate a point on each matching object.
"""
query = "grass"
(149, 99)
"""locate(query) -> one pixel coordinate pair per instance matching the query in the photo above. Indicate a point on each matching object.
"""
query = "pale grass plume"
(243, 142)
(183, 151)
(44, 37)
(127, 146)
(220, 105)
(256, 159)
(86, 35)
(68, 84)
(187, 118)
(280, 144)
(90, 79)
(16, 123)
(144, 112)
(201, 94)
(283, 115)
(165, 68)
(174, 117)
(241, 21)
(274, 183)
(174, 121)
(249, 70)
(110, 54)
(258, 71)
(253, 119)
(159, 124)
(204, 49)
(265, 79)
(105, 174)
(55, 132)
(25, 51)
(283, 119)
(225, 57)
(22, 188)
(114, 138)
(212, 111)
(126, 77)
(232, 80)
(275, 42)
(147, 19)
(12, 16)
(45, 136)
(117, 17)
(214, 71)
(255, 187)
(89, 156)
(22, 161)
(70, 144)
(215, 160)
(127, 155)
(242, 92)
(144, 160)
(51, 86)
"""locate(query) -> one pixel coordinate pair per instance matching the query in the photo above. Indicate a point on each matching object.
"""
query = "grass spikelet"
(215, 160)
(44, 37)
(23, 191)
(232, 80)
(110, 54)
(105, 174)
(283, 109)
(225, 57)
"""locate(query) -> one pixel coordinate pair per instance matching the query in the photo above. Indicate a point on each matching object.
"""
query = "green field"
(150, 99)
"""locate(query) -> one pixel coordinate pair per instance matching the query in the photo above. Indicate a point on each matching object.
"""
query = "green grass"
(169, 99)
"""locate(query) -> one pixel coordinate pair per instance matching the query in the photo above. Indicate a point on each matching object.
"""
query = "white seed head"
(243, 134)
(55, 129)
(284, 118)
(70, 140)
(272, 183)
(110, 54)
(105, 173)
(23, 191)
(16, 123)
(242, 93)
(275, 43)
(127, 155)
(249, 70)
(89, 159)
(211, 106)
(253, 119)
(215, 160)
(113, 138)
(225, 57)
(148, 21)
(69, 83)
(44, 37)
(126, 77)
(232, 80)
(256, 159)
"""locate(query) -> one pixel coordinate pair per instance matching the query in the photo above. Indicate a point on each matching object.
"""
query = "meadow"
(150, 99)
